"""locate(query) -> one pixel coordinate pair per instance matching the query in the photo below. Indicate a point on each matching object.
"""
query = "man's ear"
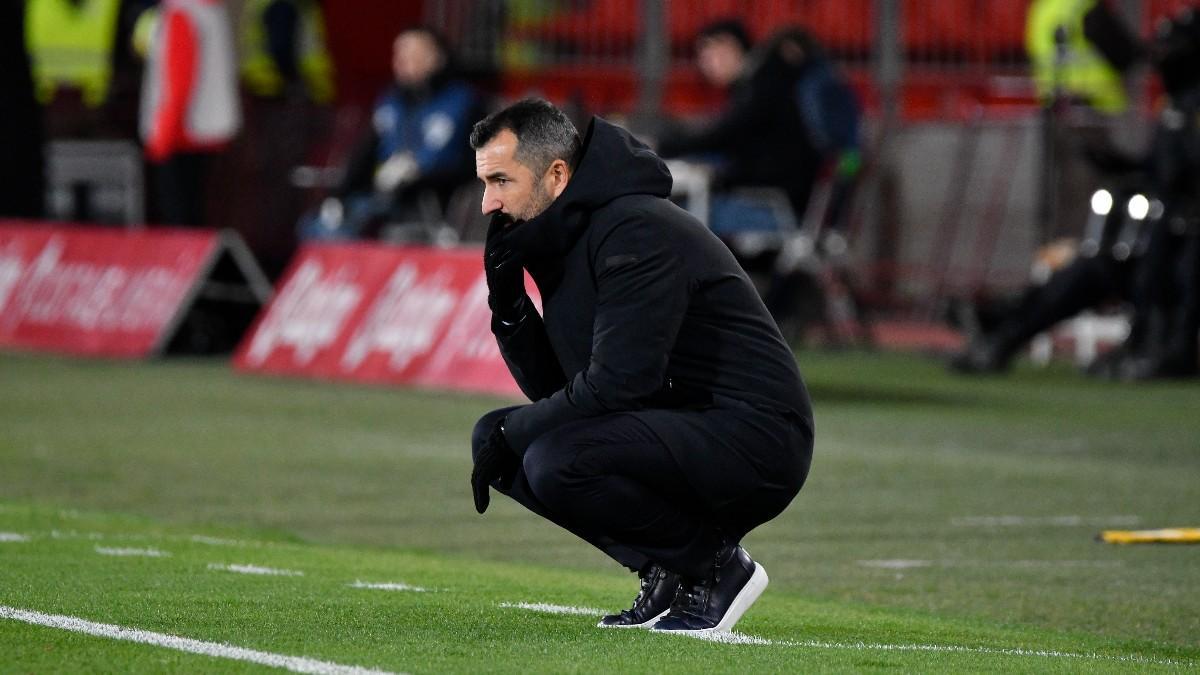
(559, 175)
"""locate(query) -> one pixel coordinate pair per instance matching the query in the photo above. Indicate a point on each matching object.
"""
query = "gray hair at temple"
(544, 133)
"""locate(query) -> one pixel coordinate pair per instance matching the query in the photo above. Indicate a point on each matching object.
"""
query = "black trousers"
(180, 183)
(616, 484)
(1084, 283)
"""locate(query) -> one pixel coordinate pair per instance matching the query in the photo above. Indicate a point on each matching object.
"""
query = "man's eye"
(501, 181)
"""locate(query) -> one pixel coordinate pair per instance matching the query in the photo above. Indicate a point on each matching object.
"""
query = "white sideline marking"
(1043, 521)
(897, 564)
(741, 639)
(215, 541)
(554, 609)
(255, 569)
(296, 664)
(1002, 651)
(12, 537)
(731, 638)
(72, 534)
(903, 564)
(388, 586)
(145, 552)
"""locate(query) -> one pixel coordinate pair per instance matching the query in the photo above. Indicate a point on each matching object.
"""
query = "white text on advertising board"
(308, 315)
(405, 319)
(84, 295)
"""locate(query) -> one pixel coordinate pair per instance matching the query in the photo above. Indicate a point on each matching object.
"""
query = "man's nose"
(490, 202)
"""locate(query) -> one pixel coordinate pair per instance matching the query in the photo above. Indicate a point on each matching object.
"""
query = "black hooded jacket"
(643, 307)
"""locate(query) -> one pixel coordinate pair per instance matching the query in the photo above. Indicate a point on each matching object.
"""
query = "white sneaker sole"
(648, 624)
(745, 598)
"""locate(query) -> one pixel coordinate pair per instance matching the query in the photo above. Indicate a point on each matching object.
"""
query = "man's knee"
(483, 429)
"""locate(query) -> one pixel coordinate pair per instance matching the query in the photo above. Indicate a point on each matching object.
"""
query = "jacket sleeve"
(360, 165)
(178, 82)
(642, 295)
(527, 353)
(745, 113)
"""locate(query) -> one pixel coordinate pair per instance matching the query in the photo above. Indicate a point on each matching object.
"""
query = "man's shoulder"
(642, 210)
(648, 221)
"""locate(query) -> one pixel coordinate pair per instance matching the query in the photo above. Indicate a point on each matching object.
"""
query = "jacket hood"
(612, 164)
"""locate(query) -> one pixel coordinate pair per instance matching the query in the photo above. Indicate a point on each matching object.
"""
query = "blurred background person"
(757, 140)
(813, 258)
(791, 124)
(289, 95)
(72, 45)
(282, 47)
(1144, 249)
(414, 154)
(22, 183)
(831, 115)
(189, 108)
(1082, 55)
(1164, 339)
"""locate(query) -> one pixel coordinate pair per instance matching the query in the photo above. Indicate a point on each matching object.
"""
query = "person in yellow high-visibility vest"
(1068, 59)
(71, 44)
(1080, 52)
(284, 41)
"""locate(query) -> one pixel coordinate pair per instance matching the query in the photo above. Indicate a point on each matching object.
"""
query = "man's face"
(415, 57)
(720, 59)
(509, 187)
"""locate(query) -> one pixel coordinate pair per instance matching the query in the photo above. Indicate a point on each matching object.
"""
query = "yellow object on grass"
(1170, 535)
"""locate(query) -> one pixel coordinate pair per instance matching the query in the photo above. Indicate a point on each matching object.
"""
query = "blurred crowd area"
(939, 161)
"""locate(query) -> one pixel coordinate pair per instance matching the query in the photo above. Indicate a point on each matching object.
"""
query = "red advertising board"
(373, 313)
(96, 291)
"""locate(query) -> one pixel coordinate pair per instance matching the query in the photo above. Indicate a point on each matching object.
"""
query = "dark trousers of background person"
(1086, 282)
(1167, 297)
(180, 186)
(616, 484)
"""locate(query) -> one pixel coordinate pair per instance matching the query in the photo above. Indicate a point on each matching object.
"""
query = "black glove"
(502, 266)
(495, 461)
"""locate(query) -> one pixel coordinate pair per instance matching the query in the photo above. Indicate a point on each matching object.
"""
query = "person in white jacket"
(189, 104)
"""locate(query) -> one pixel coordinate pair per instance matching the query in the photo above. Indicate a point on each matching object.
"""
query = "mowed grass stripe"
(1000, 485)
(457, 629)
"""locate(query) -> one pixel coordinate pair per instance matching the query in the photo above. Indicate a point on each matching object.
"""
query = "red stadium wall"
(360, 34)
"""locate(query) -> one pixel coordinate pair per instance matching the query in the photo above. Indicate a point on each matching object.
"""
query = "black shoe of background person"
(1112, 364)
(654, 599)
(713, 604)
(1160, 368)
(977, 359)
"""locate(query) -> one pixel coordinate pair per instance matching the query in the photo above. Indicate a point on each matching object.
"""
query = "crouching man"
(669, 417)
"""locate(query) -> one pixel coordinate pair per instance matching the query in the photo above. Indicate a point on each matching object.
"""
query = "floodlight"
(1138, 207)
(1102, 201)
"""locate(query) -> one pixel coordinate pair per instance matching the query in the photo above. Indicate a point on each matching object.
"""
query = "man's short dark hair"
(544, 133)
(730, 28)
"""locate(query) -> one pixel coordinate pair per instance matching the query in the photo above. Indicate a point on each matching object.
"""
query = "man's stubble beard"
(539, 201)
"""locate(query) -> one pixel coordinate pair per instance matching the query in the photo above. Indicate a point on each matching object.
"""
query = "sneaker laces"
(645, 583)
(692, 597)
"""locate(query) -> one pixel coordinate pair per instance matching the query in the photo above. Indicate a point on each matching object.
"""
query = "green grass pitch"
(947, 526)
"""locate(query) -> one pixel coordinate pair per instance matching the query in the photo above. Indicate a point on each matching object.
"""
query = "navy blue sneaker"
(658, 590)
(713, 604)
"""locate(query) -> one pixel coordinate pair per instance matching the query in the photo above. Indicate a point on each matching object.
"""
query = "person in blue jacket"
(415, 150)
(830, 112)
